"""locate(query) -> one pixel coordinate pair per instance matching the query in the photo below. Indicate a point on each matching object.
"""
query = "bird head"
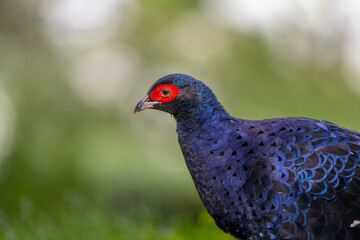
(180, 95)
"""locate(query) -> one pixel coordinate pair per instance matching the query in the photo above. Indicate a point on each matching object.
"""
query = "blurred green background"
(76, 163)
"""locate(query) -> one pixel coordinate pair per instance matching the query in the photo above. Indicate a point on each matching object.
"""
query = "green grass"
(80, 219)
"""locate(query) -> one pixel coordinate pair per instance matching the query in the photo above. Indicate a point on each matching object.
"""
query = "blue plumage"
(282, 178)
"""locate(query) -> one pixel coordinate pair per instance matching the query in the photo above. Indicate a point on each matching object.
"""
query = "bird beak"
(145, 103)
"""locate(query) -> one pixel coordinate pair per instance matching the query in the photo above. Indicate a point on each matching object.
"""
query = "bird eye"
(165, 92)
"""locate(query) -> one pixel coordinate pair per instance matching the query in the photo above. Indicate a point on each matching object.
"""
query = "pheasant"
(279, 178)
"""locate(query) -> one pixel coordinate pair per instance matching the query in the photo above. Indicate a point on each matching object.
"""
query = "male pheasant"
(280, 178)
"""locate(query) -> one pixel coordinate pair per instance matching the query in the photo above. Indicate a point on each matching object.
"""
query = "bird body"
(281, 178)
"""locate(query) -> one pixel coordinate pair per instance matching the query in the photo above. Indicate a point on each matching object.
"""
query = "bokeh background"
(76, 163)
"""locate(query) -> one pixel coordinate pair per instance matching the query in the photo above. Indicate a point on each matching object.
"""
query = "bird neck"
(194, 120)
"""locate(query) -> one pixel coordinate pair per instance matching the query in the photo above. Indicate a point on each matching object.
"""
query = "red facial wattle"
(158, 93)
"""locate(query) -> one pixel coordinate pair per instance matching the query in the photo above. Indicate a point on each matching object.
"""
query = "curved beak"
(144, 103)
